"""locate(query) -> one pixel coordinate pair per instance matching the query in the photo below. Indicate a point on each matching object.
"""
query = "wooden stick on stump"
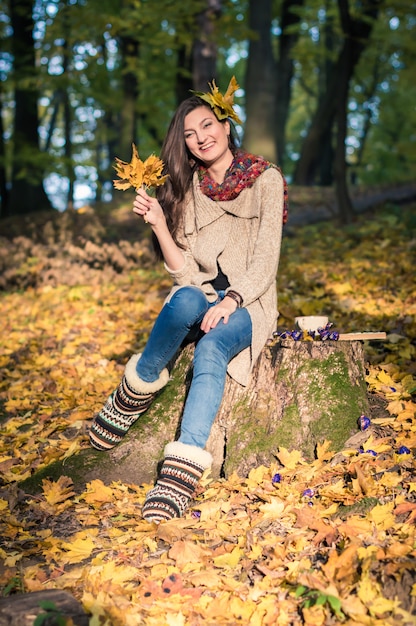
(368, 336)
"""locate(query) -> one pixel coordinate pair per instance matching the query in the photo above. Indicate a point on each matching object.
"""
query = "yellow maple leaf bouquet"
(139, 173)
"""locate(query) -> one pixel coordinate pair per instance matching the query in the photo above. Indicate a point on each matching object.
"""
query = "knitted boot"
(182, 468)
(132, 397)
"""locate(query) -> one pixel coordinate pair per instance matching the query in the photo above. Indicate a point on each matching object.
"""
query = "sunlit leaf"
(59, 491)
(229, 559)
(289, 459)
(184, 552)
(97, 493)
(77, 550)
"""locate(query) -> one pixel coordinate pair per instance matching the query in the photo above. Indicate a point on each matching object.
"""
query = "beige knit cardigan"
(244, 236)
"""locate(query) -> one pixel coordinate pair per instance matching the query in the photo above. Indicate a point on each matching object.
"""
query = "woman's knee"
(189, 302)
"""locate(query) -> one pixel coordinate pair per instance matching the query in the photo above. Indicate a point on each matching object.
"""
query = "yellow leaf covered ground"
(327, 542)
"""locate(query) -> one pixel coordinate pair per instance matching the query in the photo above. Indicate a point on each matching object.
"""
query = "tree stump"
(301, 393)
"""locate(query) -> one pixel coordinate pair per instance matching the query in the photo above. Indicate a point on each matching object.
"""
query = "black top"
(220, 282)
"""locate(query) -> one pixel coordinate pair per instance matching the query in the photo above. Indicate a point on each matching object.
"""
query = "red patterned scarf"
(242, 174)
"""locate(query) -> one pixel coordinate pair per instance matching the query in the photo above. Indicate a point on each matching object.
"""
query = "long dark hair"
(179, 165)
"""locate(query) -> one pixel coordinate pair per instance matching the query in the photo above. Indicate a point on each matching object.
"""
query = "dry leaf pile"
(71, 248)
(317, 544)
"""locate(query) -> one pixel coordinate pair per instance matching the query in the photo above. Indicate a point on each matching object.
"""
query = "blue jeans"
(180, 319)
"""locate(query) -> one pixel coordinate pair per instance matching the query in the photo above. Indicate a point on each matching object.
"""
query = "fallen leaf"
(184, 552)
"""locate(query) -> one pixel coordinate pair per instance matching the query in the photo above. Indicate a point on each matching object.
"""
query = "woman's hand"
(148, 208)
(222, 310)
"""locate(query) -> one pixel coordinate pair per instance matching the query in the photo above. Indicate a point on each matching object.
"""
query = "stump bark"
(301, 393)
(23, 609)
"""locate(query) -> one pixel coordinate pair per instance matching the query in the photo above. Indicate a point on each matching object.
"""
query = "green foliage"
(15, 585)
(314, 597)
(382, 98)
(51, 612)
(82, 54)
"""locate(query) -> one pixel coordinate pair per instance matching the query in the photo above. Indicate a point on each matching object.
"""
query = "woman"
(217, 224)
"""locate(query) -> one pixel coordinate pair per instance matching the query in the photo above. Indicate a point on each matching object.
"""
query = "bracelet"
(236, 297)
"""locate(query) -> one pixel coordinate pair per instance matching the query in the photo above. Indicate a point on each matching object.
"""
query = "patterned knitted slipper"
(131, 399)
(182, 468)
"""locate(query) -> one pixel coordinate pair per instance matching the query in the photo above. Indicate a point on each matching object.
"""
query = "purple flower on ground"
(364, 422)
(403, 450)
(372, 452)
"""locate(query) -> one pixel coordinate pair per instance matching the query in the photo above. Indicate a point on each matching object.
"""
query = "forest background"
(328, 92)
(327, 89)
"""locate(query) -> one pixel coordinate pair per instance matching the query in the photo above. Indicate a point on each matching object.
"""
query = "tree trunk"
(284, 73)
(4, 194)
(204, 53)
(130, 49)
(260, 84)
(183, 81)
(107, 133)
(301, 394)
(66, 66)
(326, 162)
(27, 193)
(345, 208)
(355, 42)
(128, 115)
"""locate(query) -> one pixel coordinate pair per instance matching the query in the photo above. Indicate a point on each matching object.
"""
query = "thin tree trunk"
(130, 48)
(184, 82)
(326, 173)
(285, 70)
(68, 112)
(107, 144)
(68, 152)
(368, 112)
(260, 83)
(345, 208)
(56, 104)
(4, 194)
